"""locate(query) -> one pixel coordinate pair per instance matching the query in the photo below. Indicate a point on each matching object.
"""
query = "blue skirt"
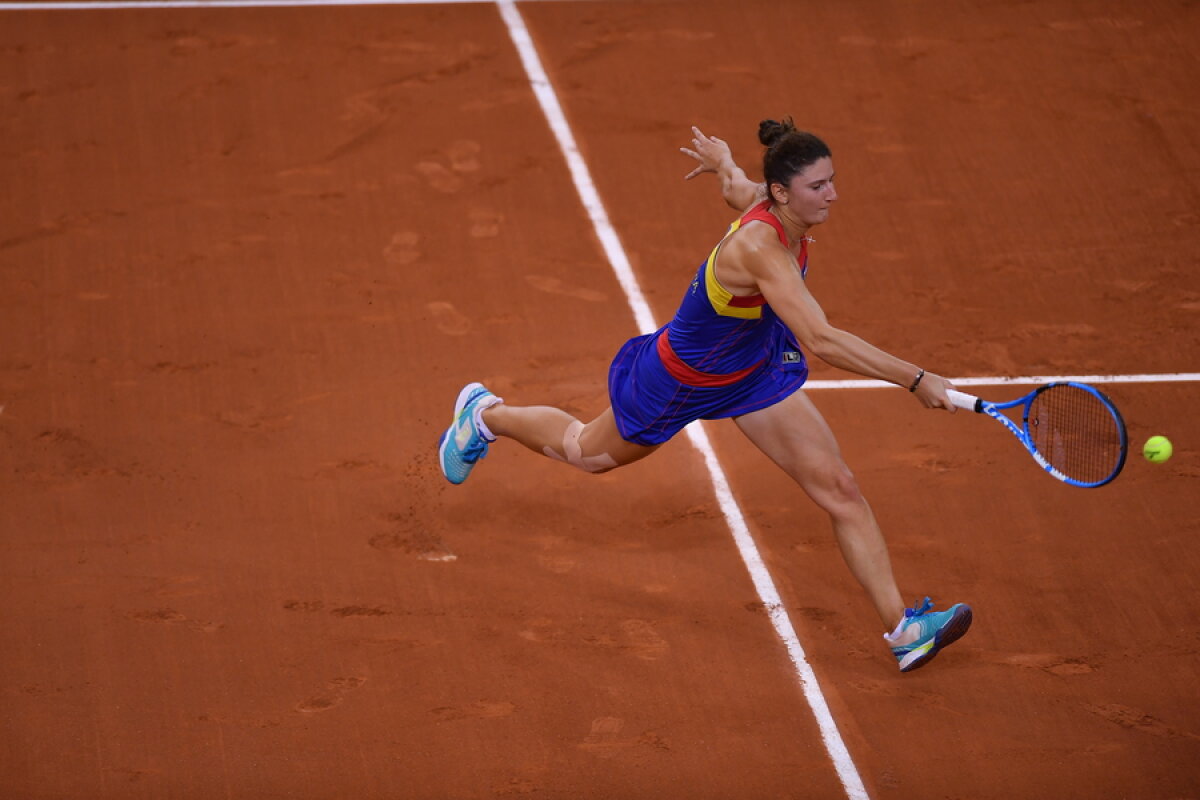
(651, 406)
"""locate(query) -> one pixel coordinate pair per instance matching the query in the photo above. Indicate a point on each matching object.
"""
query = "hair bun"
(771, 131)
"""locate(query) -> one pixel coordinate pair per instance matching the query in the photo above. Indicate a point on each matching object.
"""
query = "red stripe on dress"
(746, 301)
(688, 376)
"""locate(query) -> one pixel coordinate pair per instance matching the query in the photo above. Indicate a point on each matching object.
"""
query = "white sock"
(895, 634)
(477, 417)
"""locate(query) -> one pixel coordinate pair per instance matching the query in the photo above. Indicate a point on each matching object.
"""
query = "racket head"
(1078, 430)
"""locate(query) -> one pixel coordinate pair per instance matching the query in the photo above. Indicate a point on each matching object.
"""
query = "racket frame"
(970, 402)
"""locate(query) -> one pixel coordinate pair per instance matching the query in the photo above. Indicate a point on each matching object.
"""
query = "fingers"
(947, 386)
(699, 140)
(696, 156)
(940, 387)
(933, 392)
(710, 151)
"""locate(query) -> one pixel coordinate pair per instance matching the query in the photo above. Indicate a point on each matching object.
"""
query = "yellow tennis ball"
(1157, 449)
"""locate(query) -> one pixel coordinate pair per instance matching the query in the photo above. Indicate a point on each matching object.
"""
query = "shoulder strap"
(760, 214)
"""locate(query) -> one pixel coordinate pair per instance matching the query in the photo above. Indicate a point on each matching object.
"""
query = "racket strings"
(1076, 432)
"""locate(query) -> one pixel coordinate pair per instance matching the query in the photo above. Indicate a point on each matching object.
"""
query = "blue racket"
(1073, 430)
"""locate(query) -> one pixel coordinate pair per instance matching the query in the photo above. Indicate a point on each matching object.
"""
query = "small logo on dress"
(695, 285)
(791, 357)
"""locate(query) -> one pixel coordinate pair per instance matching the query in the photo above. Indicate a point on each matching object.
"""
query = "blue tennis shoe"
(925, 632)
(463, 443)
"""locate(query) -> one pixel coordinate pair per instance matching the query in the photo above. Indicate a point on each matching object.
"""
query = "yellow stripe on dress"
(718, 295)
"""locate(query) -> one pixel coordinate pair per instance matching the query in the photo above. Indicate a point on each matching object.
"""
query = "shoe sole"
(948, 634)
(464, 397)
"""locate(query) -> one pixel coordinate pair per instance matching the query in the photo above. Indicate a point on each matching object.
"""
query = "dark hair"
(789, 150)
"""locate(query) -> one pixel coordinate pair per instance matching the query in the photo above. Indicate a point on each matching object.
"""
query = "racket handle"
(967, 402)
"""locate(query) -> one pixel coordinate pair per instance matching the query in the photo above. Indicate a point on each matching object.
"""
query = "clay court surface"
(249, 256)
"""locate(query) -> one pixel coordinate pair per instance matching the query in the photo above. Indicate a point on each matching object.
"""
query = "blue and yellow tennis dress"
(721, 356)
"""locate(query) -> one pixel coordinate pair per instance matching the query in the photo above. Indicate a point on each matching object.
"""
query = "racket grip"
(967, 402)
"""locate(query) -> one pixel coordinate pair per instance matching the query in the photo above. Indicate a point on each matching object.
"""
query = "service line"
(1025, 380)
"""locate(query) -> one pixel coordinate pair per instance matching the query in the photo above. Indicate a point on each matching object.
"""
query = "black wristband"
(917, 381)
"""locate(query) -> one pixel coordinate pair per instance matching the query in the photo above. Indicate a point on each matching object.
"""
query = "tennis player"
(737, 348)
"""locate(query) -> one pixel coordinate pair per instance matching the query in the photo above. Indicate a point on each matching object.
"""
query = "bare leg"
(795, 436)
(545, 430)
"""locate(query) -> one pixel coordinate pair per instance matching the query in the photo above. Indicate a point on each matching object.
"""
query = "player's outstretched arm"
(778, 278)
(715, 156)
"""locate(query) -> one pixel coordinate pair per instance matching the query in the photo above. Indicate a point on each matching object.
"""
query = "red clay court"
(248, 255)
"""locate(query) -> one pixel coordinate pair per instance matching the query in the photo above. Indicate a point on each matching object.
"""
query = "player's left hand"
(710, 151)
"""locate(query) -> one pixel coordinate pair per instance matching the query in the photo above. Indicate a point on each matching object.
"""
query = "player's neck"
(795, 230)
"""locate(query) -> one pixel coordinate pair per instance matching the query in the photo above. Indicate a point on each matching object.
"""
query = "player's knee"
(839, 491)
(593, 465)
(846, 486)
(597, 464)
(572, 453)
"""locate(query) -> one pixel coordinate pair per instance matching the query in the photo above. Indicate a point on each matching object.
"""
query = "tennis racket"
(1071, 429)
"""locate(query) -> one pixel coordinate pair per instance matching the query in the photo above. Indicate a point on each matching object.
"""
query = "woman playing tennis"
(736, 348)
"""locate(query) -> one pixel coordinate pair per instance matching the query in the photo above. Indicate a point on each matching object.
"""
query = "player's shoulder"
(756, 246)
(758, 234)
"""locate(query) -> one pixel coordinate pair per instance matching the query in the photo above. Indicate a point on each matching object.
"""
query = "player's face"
(811, 192)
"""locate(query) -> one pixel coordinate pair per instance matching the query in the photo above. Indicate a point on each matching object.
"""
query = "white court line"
(1028, 380)
(847, 772)
(110, 5)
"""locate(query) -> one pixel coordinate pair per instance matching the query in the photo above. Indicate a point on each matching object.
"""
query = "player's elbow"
(736, 199)
(822, 342)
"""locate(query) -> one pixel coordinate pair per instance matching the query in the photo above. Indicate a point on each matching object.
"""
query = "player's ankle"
(485, 417)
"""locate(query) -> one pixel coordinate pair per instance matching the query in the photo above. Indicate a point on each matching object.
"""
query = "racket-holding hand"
(931, 391)
(710, 151)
